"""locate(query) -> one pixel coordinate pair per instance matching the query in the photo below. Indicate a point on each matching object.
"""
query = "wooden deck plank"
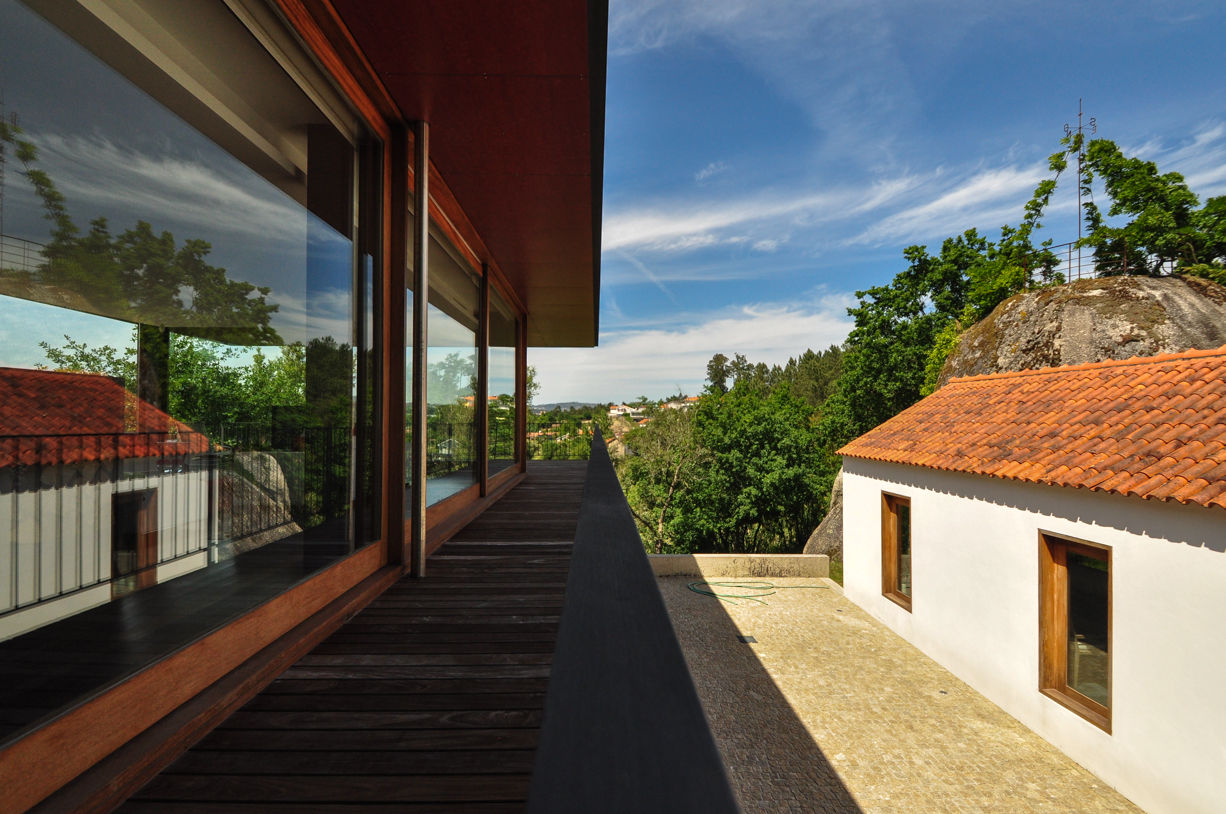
(429, 700)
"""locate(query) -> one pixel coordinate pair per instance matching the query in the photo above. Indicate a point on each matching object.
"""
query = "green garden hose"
(754, 590)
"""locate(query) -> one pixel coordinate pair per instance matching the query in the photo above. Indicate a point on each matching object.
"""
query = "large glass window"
(187, 326)
(503, 409)
(451, 376)
(1075, 626)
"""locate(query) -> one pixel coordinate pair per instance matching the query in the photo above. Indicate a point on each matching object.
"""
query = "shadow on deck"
(533, 668)
(433, 694)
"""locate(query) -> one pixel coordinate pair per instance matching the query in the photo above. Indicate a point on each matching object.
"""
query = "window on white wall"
(896, 549)
(1075, 626)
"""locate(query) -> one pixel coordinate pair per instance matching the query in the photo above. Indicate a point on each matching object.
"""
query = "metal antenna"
(1081, 150)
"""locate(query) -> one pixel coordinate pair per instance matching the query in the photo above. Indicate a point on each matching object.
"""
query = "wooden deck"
(429, 699)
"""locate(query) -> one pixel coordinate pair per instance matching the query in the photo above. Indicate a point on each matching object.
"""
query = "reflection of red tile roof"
(1153, 428)
(49, 417)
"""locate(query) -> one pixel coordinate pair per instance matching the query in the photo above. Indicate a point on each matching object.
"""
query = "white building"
(1057, 539)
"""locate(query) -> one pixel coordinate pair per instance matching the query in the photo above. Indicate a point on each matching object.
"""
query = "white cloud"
(768, 245)
(657, 361)
(714, 168)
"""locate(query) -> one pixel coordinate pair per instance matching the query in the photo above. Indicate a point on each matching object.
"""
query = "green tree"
(665, 461)
(758, 490)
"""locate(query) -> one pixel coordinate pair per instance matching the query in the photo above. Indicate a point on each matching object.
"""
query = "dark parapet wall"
(623, 728)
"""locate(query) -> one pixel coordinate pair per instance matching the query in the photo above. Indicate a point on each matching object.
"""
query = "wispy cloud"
(714, 168)
(862, 49)
(1201, 159)
(105, 176)
(687, 224)
(646, 272)
(655, 361)
(983, 199)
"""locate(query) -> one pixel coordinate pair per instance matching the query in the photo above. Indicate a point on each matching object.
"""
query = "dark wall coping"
(623, 728)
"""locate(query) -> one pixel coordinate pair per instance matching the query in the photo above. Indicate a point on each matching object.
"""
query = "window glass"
(1087, 626)
(186, 349)
(503, 415)
(451, 376)
(903, 585)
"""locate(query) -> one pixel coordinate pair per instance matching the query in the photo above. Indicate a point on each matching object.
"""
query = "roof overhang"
(514, 94)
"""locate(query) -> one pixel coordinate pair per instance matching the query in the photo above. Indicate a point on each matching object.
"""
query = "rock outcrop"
(1076, 323)
(827, 538)
(1090, 321)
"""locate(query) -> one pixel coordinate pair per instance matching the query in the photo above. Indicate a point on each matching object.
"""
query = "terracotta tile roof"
(1153, 428)
(48, 417)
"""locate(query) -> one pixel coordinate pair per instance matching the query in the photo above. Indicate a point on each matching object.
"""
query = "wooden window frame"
(889, 549)
(1053, 625)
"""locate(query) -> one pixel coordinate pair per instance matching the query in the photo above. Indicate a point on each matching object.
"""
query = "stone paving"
(829, 711)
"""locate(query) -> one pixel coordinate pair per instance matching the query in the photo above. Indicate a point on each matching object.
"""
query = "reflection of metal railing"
(450, 447)
(58, 491)
(19, 254)
(234, 488)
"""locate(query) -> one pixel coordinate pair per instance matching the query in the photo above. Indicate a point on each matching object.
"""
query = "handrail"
(623, 727)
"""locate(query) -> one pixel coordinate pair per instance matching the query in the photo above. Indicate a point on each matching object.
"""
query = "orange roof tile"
(52, 417)
(1153, 428)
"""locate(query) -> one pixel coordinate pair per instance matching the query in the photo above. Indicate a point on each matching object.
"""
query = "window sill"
(900, 599)
(1073, 702)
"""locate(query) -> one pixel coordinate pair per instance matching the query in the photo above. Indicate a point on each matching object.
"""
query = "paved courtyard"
(829, 711)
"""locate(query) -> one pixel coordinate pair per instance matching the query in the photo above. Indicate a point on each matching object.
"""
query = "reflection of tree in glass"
(451, 379)
(136, 275)
(209, 383)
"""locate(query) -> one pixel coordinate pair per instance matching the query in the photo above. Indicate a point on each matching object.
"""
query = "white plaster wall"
(975, 569)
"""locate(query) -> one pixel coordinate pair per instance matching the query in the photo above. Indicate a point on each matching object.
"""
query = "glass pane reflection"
(186, 429)
(1088, 611)
(502, 410)
(451, 378)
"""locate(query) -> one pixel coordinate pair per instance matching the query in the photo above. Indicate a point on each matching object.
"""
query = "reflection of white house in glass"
(100, 493)
(1069, 553)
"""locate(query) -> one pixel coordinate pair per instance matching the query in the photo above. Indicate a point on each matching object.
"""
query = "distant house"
(1057, 539)
(620, 409)
(681, 404)
(100, 493)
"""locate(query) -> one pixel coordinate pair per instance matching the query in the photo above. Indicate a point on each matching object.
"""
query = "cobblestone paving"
(829, 711)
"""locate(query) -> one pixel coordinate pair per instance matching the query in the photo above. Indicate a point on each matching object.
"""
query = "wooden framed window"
(896, 549)
(1075, 626)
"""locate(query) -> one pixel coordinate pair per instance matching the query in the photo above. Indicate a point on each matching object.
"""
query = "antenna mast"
(1081, 151)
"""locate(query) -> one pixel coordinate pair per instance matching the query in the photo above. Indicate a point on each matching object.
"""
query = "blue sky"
(764, 160)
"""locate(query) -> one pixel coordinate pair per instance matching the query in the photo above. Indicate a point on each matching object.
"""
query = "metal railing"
(19, 254)
(1066, 262)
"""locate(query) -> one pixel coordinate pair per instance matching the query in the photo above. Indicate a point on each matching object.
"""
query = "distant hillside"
(564, 405)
